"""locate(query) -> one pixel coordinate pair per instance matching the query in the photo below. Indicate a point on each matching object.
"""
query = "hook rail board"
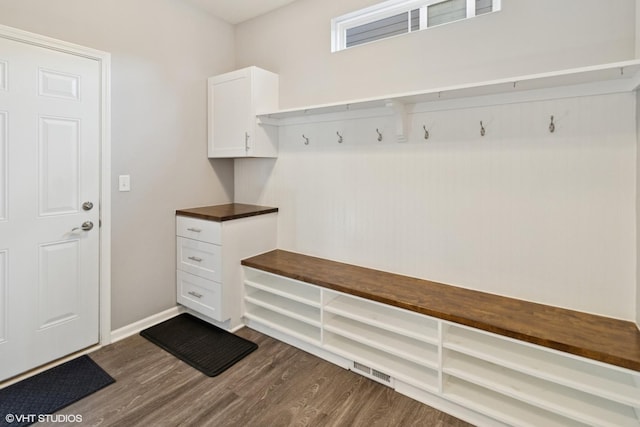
(598, 79)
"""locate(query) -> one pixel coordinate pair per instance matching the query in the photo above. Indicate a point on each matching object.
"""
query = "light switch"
(124, 183)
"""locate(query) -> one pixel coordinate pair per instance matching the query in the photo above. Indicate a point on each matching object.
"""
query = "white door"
(49, 236)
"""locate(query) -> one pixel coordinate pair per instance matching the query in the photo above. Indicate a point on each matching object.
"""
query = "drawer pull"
(195, 230)
(195, 294)
(195, 258)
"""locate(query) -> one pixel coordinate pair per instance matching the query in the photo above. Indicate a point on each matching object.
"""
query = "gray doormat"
(30, 400)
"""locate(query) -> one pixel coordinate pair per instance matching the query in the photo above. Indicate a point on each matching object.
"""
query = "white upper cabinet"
(235, 99)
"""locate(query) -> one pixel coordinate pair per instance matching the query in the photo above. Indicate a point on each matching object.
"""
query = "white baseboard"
(136, 327)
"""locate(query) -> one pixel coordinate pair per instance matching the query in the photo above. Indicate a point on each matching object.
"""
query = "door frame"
(104, 61)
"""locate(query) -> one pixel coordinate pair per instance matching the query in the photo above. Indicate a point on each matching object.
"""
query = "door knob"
(87, 206)
(86, 226)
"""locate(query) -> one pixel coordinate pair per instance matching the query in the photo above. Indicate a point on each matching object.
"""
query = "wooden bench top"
(604, 339)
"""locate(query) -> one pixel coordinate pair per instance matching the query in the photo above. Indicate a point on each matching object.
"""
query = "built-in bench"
(488, 359)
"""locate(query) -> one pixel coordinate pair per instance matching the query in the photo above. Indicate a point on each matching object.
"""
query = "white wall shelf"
(593, 80)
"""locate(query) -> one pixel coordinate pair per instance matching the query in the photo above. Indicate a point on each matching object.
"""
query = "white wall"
(638, 180)
(521, 212)
(526, 37)
(162, 53)
(638, 212)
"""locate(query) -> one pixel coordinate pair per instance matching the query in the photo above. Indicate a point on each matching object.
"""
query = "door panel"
(59, 284)
(58, 156)
(3, 296)
(4, 170)
(49, 166)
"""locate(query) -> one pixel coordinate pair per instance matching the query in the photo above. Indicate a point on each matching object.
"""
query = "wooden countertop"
(599, 338)
(226, 212)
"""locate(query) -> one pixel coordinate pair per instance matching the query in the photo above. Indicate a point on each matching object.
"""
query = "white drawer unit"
(208, 255)
(199, 229)
(484, 378)
(203, 296)
(199, 258)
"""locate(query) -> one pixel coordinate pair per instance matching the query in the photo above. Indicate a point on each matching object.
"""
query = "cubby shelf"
(392, 343)
(485, 378)
(571, 403)
(502, 408)
(281, 305)
(607, 382)
(287, 288)
(300, 330)
(409, 372)
(401, 322)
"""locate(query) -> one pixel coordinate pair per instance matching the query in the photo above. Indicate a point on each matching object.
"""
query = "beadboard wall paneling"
(521, 212)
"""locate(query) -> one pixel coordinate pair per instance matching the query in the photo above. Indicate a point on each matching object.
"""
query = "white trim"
(104, 59)
(136, 327)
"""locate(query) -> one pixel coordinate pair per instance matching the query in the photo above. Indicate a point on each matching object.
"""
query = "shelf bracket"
(399, 112)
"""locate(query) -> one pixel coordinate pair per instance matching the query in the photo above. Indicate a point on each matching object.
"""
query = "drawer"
(201, 295)
(199, 229)
(199, 258)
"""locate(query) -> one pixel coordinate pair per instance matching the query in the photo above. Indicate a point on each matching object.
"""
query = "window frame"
(386, 9)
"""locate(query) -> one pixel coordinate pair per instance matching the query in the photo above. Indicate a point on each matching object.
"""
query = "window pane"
(387, 27)
(415, 19)
(447, 11)
(483, 6)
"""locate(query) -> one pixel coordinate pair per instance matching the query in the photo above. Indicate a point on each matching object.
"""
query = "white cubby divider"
(484, 378)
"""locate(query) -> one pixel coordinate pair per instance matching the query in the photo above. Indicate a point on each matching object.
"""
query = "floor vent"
(363, 368)
(373, 374)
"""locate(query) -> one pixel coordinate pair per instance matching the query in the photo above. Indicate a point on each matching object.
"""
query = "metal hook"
(340, 139)
(426, 132)
(306, 140)
(552, 127)
(482, 131)
(379, 135)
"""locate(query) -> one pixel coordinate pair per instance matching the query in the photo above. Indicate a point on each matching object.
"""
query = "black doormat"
(206, 347)
(31, 400)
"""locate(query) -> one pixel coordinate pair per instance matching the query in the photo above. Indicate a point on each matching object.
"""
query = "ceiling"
(236, 11)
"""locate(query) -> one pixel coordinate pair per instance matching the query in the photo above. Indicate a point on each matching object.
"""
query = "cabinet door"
(231, 115)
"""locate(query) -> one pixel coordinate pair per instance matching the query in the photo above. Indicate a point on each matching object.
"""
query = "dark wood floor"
(276, 385)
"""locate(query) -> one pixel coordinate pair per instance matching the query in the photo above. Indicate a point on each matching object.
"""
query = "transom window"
(394, 17)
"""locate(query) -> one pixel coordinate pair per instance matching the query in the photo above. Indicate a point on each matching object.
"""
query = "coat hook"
(482, 131)
(340, 139)
(426, 132)
(306, 140)
(552, 127)
(379, 135)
